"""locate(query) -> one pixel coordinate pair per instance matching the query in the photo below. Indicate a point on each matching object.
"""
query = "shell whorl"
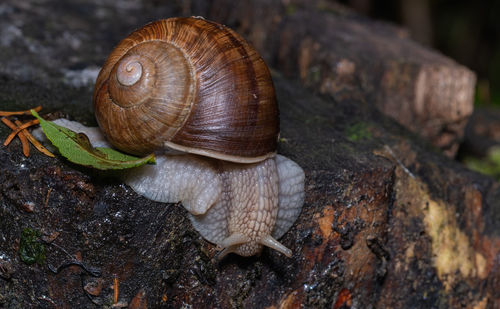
(189, 84)
(129, 71)
(146, 98)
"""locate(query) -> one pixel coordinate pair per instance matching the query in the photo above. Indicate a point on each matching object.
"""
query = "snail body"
(239, 207)
(196, 87)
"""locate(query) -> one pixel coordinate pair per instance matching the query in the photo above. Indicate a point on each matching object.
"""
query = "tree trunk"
(333, 51)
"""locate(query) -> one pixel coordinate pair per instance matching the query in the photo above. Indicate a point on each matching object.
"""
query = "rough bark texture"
(333, 51)
(387, 221)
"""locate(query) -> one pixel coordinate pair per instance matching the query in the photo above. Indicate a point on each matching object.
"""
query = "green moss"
(290, 9)
(490, 165)
(316, 120)
(30, 249)
(314, 74)
(358, 131)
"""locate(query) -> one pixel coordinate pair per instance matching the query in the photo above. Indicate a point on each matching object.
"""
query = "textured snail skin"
(191, 84)
(238, 207)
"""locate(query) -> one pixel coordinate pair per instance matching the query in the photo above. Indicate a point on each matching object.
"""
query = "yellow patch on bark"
(454, 255)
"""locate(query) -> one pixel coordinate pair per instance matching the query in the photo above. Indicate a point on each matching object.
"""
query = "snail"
(197, 94)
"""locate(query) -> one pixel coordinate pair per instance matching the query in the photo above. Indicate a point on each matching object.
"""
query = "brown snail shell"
(189, 84)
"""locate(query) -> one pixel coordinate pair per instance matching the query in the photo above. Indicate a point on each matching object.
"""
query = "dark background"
(467, 31)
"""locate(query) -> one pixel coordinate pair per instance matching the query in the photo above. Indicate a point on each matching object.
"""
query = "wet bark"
(334, 51)
(388, 220)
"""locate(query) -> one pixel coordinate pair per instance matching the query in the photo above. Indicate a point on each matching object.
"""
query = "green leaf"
(77, 148)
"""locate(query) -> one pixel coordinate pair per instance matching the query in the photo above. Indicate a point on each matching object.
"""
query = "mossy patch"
(291, 9)
(358, 131)
(31, 250)
(490, 165)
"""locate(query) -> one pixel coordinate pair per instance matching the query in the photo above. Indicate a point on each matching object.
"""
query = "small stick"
(26, 112)
(47, 197)
(91, 270)
(72, 261)
(19, 129)
(38, 146)
(30, 138)
(9, 123)
(23, 139)
(115, 288)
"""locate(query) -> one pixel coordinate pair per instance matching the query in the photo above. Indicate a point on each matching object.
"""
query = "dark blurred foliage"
(467, 31)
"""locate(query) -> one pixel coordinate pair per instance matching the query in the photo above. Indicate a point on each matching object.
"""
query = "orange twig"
(19, 129)
(30, 138)
(115, 288)
(23, 139)
(26, 112)
(9, 123)
(47, 197)
(37, 145)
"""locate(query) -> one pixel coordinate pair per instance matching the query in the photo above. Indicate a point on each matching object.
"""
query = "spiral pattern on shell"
(189, 84)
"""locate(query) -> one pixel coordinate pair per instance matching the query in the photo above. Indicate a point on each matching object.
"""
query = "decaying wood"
(336, 52)
(387, 222)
